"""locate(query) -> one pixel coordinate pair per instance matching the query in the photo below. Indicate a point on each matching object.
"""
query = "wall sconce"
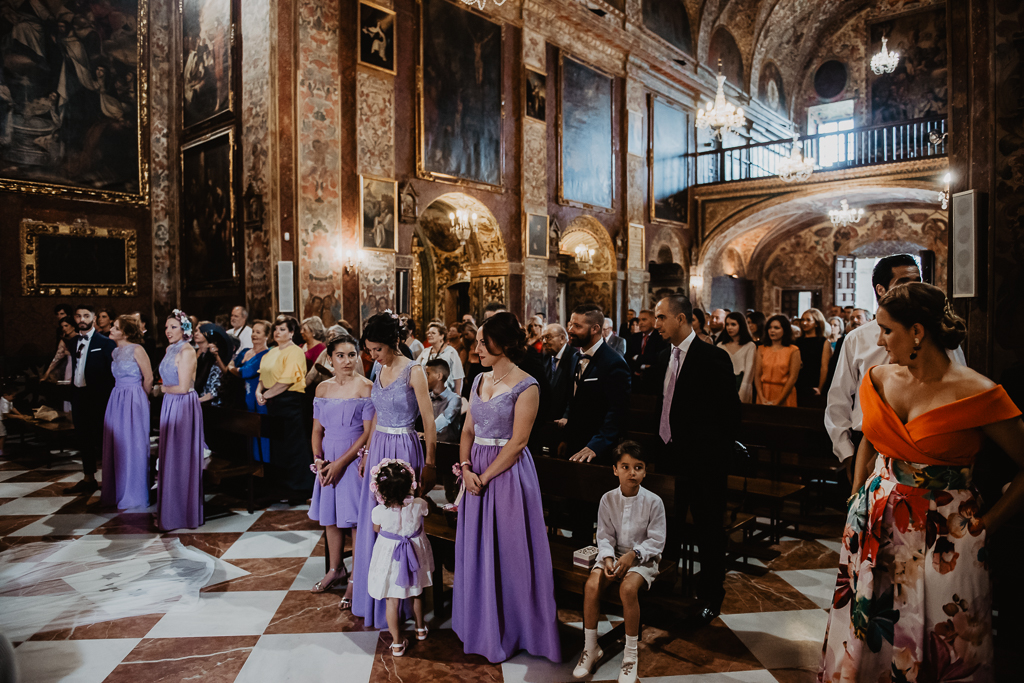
(696, 282)
(349, 258)
(944, 194)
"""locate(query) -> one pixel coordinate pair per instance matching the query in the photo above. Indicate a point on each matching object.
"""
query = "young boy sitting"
(446, 403)
(630, 539)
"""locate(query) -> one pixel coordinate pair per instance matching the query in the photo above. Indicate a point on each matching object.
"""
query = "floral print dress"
(913, 598)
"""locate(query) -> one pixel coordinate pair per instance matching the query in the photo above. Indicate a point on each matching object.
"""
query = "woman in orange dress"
(777, 365)
(913, 597)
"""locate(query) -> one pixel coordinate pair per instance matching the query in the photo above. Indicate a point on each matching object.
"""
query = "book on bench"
(585, 557)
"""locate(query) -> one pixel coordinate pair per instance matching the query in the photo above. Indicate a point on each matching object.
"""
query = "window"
(834, 149)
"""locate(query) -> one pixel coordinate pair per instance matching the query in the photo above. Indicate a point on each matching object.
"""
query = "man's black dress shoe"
(82, 487)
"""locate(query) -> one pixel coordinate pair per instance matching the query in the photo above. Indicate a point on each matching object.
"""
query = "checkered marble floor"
(257, 621)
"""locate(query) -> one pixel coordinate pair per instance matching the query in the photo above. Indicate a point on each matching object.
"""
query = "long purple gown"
(126, 435)
(395, 437)
(504, 592)
(180, 490)
(342, 420)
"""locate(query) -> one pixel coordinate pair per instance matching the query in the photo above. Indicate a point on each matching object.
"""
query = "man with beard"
(93, 381)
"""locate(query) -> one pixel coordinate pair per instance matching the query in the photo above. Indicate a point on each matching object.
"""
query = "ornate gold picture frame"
(60, 259)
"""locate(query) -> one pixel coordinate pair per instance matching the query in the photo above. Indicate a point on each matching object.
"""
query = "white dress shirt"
(450, 356)
(243, 335)
(82, 352)
(859, 353)
(633, 523)
(683, 347)
(587, 354)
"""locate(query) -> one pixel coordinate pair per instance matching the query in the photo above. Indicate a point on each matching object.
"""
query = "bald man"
(559, 359)
(716, 324)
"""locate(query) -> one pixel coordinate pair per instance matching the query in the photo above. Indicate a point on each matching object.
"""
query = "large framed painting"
(461, 97)
(209, 240)
(586, 171)
(73, 110)
(670, 135)
(377, 275)
(378, 206)
(668, 20)
(536, 236)
(918, 86)
(60, 259)
(206, 63)
(377, 37)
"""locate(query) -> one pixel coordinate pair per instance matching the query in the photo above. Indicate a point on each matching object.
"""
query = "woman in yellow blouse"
(282, 389)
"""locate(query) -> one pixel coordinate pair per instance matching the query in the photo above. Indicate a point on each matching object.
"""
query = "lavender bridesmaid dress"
(395, 437)
(342, 420)
(180, 490)
(504, 592)
(126, 435)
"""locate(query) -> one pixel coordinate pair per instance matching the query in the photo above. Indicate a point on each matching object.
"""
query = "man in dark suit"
(699, 419)
(93, 381)
(642, 352)
(559, 361)
(596, 415)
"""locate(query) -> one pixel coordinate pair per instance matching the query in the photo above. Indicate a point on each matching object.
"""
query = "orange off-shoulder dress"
(913, 598)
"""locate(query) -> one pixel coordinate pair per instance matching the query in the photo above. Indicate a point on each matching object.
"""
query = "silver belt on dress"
(481, 441)
(394, 430)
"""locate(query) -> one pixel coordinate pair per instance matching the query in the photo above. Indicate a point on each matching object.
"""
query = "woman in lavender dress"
(496, 611)
(399, 393)
(180, 477)
(126, 422)
(342, 417)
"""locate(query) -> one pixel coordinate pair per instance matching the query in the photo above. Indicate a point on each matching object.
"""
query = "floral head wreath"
(186, 323)
(376, 476)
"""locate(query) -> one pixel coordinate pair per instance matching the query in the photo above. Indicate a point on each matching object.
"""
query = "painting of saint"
(586, 168)
(918, 86)
(377, 37)
(536, 95)
(669, 169)
(208, 240)
(379, 204)
(537, 236)
(206, 61)
(69, 99)
(461, 101)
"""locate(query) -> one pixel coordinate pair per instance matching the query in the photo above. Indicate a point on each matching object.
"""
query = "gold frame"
(421, 169)
(560, 134)
(359, 38)
(140, 198)
(394, 200)
(234, 23)
(527, 70)
(237, 250)
(30, 286)
(547, 235)
(652, 98)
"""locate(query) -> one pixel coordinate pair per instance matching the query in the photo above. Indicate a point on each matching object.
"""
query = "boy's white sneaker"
(586, 663)
(627, 674)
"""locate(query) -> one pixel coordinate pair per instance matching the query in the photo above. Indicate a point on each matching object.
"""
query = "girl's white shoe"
(586, 663)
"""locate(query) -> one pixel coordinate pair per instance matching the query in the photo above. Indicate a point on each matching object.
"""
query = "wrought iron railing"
(886, 143)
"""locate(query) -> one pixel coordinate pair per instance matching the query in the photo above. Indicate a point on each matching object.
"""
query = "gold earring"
(917, 347)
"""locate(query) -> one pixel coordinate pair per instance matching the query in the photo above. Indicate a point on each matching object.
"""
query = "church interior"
(437, 160)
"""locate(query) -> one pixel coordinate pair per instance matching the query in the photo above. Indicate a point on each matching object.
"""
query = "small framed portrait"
(378, 205)
(636, 133)
(536, 236)
(376, 37)
(536, 95)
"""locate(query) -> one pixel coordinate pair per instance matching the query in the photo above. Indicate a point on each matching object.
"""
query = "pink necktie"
(665, 430)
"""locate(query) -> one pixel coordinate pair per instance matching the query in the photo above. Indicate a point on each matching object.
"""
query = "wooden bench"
(753, 493)
(224, 426)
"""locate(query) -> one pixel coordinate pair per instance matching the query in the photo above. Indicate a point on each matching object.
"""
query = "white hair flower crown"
(186, 323)
(376, 477)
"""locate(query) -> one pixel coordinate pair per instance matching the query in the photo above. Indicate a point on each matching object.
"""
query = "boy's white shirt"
(628, 523)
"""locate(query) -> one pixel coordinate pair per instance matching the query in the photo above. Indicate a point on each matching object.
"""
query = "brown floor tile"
(285, 520)
(42, 475)
(129, 627)
(768, 593)
(54, 490)
(303, 612)
(794, 675)
(9, 523)
(6, 500)
(211, 660)
(803, 555)
(214, 544)
(265, 574)
(129, 523)
(7, 465)
(438, 658)
(711, 649)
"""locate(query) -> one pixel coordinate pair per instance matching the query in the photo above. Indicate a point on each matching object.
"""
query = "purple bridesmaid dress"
(126, 435)
(504, 592)
(342, 420)
(395, 437)
(180, 476)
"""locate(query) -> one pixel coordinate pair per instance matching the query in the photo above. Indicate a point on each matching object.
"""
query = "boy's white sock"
(629, 654)
(590, 640)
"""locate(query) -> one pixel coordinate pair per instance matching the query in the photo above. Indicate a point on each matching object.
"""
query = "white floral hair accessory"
(376, 477)
(186, 323)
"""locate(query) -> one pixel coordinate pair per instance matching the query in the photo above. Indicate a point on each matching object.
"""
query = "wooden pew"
(226, 426)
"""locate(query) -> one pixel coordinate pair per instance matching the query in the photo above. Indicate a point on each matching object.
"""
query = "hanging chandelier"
(796, 166)
(463, 224)
(481, 4)
(721, 116)
(845, 215)
(885, 62)
(584, 257)
(944, 194)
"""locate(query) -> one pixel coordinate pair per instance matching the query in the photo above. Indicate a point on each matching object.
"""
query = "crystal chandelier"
(720, 116)
(482, 3)
(944, 194)
(463, 224)
(584, 257)
(845, 215)
(885, 62)
(796, 167)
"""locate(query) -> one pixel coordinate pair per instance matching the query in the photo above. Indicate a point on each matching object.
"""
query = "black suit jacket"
(560, 382)
(642, 362)
(596, 416)
(99, 381)
(705, 411)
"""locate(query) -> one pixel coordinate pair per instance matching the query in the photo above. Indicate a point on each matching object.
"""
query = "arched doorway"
(599, 284)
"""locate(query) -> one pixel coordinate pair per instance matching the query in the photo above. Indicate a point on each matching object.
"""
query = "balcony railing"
(882, 144)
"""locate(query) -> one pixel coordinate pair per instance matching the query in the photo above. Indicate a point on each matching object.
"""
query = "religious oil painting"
(537, 235)
(668, 20)
(376, 285)
(918, 86)
(378, 207)
(208, 239)
(586, 137)
(376, 37)
(206, 59)
(461, 95)
(536, 95)
(670, 134)
(72, 113)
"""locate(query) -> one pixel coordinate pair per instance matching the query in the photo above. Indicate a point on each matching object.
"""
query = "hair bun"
(953, 328)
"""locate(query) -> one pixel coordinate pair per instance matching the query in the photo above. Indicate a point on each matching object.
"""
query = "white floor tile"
(233, 523)
(20, 488)
(818, 585)
(62, 525)
(81, 661)
(10, 474)
(753, 676)
(243, 613)
(312, 571)
(781, 640)
(93, 548)
(835, 544)
(273, 544)
(34, 506)
(525, 668)
(21, 617)
(311, 657)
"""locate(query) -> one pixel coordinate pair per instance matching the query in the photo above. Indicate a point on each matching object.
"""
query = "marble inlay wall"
(636, 193)
(375, 124)
(162, 184)
(535, 178)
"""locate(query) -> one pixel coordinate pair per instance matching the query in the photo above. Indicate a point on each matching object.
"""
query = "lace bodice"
(493, 419)
(396, 403)
(341, 416)
(168, 366)
(124, 366)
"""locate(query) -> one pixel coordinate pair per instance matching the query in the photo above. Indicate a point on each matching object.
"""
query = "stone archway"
(600, 283)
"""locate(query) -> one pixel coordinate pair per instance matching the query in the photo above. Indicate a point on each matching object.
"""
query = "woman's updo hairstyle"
(334, 340)
(131, 329)
(503, 331)
(918, 303)
(384, 328)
